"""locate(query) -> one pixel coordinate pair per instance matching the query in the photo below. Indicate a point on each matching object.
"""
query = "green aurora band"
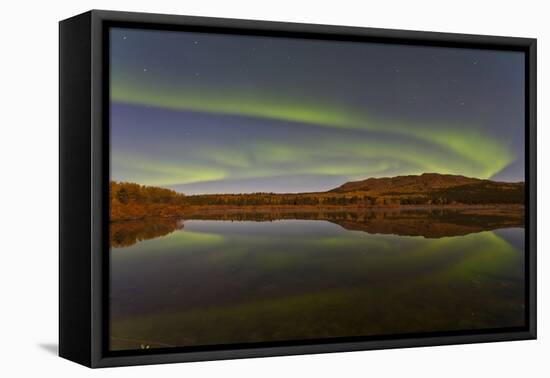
(432, 148)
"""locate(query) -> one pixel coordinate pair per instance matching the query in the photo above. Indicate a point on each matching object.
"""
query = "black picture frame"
(84, 185)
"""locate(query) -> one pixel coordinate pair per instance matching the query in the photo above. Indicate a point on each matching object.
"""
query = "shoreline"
(212, 210)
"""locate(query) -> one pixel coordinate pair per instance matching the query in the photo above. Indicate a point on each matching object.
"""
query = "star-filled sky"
(214, 113)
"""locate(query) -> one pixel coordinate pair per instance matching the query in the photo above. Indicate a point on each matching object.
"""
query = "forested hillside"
(133, 201)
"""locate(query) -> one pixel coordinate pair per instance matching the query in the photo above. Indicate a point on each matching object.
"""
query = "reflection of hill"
(435, 224)
(428, 222)
(125, 234)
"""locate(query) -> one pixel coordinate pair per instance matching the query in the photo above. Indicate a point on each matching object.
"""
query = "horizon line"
(170, 187)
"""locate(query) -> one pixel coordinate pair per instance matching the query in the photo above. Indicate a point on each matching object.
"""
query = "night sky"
(207, 113)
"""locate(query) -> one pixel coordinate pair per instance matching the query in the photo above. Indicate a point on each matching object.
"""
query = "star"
(124, 37)
(145, 70)
(474, 63)
(196, 42)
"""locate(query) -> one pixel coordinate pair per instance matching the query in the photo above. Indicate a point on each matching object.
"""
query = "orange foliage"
(130, 201)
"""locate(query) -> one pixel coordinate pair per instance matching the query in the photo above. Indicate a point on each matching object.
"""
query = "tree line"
(134, 201)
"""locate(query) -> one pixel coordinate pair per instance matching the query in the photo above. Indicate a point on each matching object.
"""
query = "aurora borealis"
(212, 113)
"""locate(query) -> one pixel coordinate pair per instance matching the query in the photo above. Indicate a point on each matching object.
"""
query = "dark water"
(206, 281)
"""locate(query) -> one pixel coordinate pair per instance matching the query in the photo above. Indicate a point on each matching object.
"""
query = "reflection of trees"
(125, 234)
(430, 223)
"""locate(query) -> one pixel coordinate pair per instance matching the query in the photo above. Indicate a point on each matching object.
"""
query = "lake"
(244, 278)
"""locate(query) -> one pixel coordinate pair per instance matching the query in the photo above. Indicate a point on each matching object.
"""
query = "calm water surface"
(208, 282)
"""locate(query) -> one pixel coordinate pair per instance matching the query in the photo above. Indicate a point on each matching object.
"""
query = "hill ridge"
(422, 182)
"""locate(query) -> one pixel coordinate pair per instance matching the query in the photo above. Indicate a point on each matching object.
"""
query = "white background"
(29, 187)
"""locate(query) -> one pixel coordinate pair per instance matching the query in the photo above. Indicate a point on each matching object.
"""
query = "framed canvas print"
(234, 188)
